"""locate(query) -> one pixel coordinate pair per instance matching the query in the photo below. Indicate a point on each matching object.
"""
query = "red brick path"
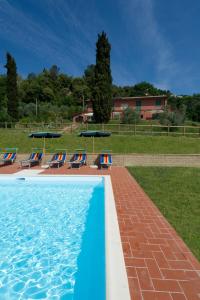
(10, 169)
(159, 265)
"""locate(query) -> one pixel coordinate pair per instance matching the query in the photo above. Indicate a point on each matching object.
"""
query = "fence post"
(184, 130)
(134, 129)
(168, 129)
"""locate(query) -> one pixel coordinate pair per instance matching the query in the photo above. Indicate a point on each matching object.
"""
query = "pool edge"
(117, 287)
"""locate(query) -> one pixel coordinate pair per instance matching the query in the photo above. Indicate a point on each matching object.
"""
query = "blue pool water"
(52, 238)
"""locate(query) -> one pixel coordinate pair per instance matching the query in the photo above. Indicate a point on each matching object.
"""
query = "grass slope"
(118, 144)
(175, 191)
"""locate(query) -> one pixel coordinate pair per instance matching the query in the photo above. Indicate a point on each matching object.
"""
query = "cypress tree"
(102, 91)
(11, 87)
(2, 91)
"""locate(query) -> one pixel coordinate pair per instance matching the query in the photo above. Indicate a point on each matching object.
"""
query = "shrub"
(130, 116)
(173, 118)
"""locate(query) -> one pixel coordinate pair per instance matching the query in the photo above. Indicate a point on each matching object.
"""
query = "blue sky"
(153, 40)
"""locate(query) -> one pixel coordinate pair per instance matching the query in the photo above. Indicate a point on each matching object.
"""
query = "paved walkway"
(184, 160)
(159, 264)
(162, 160)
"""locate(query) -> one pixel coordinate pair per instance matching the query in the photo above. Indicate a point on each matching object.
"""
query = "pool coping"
(117, 286)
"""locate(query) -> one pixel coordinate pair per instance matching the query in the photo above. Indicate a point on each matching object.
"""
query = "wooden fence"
(116, 129)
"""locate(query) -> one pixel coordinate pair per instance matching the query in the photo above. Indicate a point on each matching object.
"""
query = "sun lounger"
(105, 159)
(79, 159)
(8, 158)
(58, 160)
(34, 159)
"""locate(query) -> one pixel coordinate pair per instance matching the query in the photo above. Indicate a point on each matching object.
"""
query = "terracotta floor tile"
(178, 296)
(191, 289)
(149, 247)
(135, 291)
(169, 255)
(157, 241)
(135, 262)
(144, 279)
(153, 268)
(10, 169)
(142, 254)
(131, 271)
(179, 274)
(127, 249)
(166, 285)
(147, 295)
(161, 260)
(180, 264)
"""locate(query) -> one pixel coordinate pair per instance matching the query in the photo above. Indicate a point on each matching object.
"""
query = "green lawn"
(175, 191)
(118, 144)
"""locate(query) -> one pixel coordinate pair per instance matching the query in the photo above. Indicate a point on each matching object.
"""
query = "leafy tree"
(176, 102)
(68, 100)
(80, 92)
(31, 76)
(140, 89)
(173, 118)
(130, 116)
(12, 87)
(89, 77)
(47, 95)
(192, 104)
(193, 107)
(79, 88)
(53, 72)
(64, 81)
(146, 89)
(102, 91)
(27, 110)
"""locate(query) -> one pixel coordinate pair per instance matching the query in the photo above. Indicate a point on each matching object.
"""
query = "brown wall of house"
(146, 104)
(147, 109)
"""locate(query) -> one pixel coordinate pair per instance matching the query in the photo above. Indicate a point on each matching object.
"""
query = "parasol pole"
(93, 144)
(44, 147)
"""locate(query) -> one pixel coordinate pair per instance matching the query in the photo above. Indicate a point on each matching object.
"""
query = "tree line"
(54, 96)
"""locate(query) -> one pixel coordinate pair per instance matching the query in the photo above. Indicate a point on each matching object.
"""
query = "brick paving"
(10, 169)
(159, 264)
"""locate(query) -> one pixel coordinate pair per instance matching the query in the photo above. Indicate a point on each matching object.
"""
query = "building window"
(158, 102)
(138, 104)
(124, 106)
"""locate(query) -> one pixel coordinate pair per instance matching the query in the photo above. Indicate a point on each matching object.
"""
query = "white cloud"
(140, 16)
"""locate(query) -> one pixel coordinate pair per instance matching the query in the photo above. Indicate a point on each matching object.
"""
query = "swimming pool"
(49, 232)
(53, 239)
